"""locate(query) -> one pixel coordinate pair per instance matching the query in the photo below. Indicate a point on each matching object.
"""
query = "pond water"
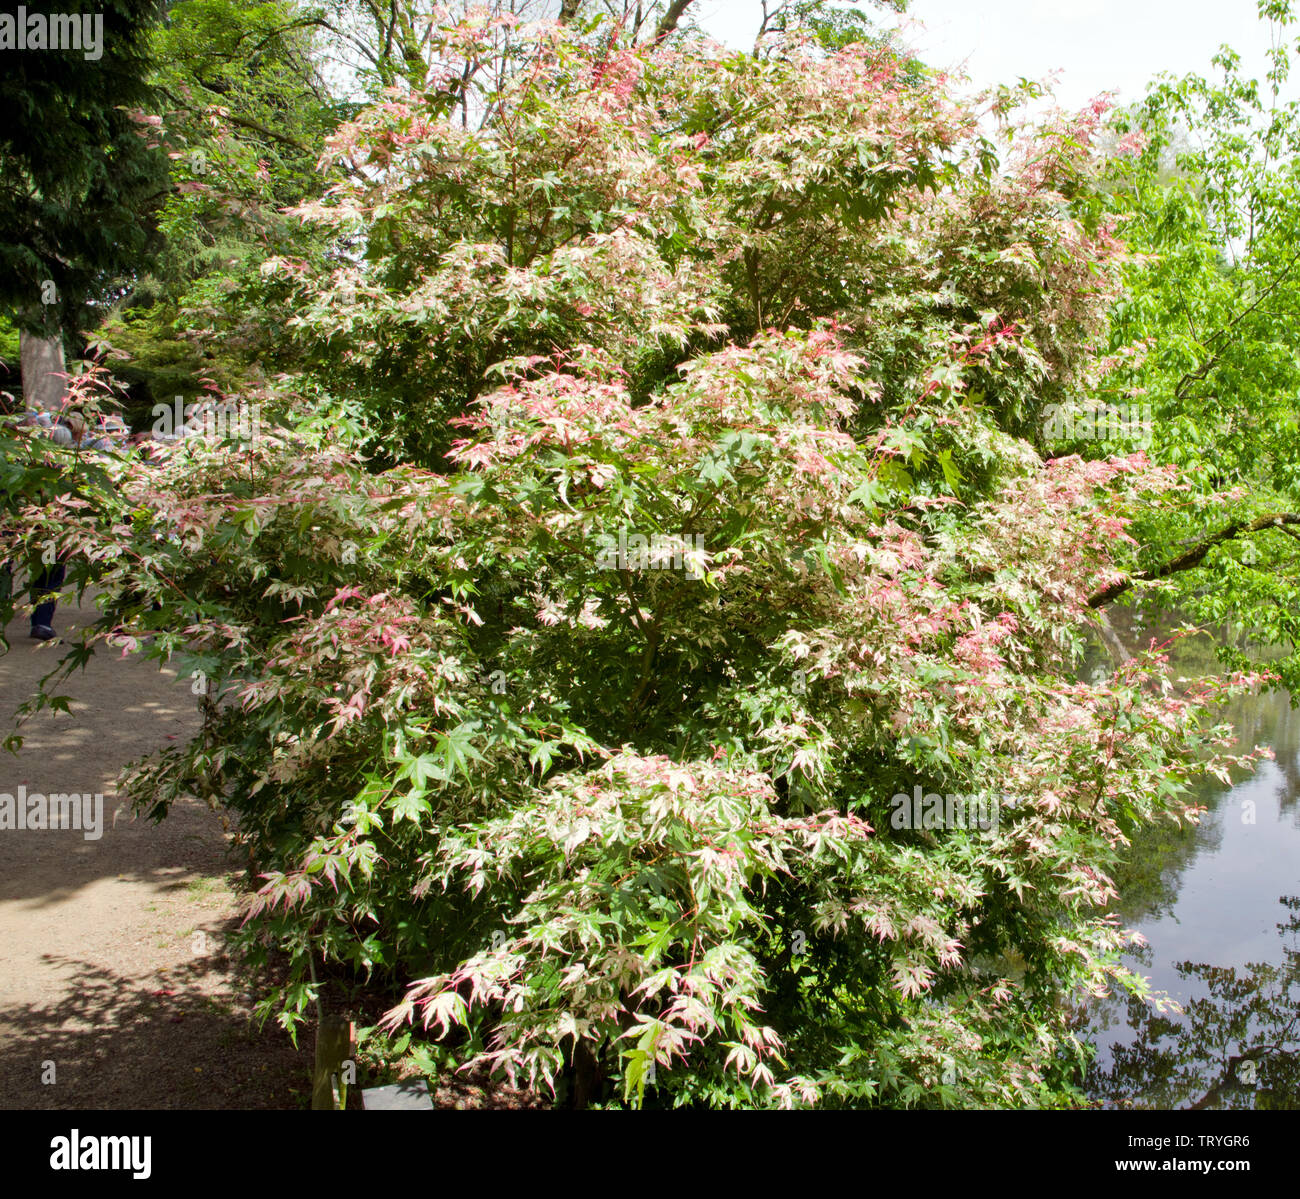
(1219, 905)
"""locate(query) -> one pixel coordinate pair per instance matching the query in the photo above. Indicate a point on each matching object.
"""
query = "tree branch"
(266, 131)
(668, 22)
(1180, 391)
(1194, 556)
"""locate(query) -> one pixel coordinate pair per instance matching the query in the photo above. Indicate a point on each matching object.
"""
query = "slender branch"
(357, 43)
(266, 131)
(1204, 369)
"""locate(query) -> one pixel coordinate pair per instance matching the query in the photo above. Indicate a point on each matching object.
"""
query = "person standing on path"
(72, 432)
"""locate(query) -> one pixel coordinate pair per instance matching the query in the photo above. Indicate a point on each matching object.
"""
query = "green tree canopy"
(82, 174)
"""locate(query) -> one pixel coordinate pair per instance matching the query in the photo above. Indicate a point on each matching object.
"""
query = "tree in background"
(373, 46)
(1205, 346)
(81, 181)
(243, 114)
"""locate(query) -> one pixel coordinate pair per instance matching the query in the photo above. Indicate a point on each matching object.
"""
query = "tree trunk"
(1119, 652)
(45, 383)
(588, 1077)
(668, 22)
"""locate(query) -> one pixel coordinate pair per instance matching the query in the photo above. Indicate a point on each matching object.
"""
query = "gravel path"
(109, 996)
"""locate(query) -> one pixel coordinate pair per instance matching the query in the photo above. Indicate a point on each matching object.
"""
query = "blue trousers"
(50, 579)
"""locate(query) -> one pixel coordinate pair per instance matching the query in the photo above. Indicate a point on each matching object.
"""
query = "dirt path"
(101, 972)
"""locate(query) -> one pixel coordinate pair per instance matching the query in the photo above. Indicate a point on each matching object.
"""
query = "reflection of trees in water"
(1287, 747)
(1236, 1046)
(1149, 876)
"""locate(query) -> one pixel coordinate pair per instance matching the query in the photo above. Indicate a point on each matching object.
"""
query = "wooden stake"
(333, 1048)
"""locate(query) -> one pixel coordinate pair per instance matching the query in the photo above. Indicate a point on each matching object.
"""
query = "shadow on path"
(99, 972)
(174, 1040)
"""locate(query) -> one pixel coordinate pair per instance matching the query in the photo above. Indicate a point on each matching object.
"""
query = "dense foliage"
(626, 816)
(1203, 343)
(82, 179)
(243, 117)
(657, 487)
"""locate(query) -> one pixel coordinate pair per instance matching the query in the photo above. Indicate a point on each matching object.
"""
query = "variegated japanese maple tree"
(621, 827)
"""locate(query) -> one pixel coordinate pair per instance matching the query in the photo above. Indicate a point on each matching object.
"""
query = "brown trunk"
(668, 22)
(588, 1077)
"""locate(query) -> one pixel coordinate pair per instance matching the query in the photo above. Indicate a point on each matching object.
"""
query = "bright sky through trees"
(1099, 45)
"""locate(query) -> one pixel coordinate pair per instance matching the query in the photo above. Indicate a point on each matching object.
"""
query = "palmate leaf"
(451, 755)
(410, 805)
(639, 1060)
(542, 755)
(446, 1010)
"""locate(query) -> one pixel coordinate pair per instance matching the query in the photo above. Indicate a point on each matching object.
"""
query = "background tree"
(81, 180)
(373, 46)
(243, 114)
(1204, 344)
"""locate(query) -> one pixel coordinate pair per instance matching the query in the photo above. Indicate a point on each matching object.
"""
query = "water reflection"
(1236, 1045)
(1219, 906)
